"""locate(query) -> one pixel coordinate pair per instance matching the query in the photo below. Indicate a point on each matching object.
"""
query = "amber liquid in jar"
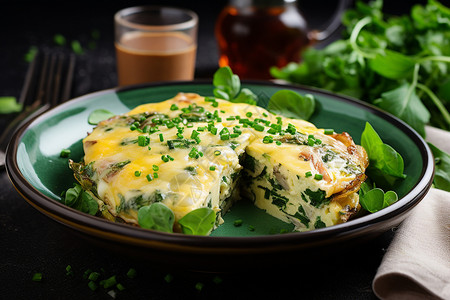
(255, 38)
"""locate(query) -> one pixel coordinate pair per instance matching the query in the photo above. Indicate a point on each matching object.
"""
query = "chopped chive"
(234, 135)
(215, 104)
(278, 143)
(251, 227)
(155, 175)
(225, 137)
(137, 173)
(213, 130)
(65, 153)
(155, 168)
(174, 107)
(143, 140)
(161, 137)
(37, 277)
(318, 176)
(258, 127)
(149, 177)
(94, 276)
(230, 118)
(212, 168)
(265, 115)
(217, 153)
(201, 128)
(199, 286)
(111, 281)
(308, 174)
(194, 134)
(92, 285)
(238, 222)
(249, 114)
(328, 131)
(168, 278)
(131, 273)
(120, 287)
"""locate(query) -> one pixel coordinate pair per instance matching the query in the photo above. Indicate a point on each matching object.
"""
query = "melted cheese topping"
(169, 152)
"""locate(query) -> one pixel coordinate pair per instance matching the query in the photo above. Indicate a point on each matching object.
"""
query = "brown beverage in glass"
(145, 57)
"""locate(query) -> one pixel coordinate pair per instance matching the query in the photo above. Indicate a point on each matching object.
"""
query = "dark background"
(30, 242)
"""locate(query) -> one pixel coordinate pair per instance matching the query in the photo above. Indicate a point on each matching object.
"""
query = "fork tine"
(57, 80)
(69, 79)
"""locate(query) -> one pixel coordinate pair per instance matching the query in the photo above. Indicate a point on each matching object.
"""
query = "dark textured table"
(30, 242)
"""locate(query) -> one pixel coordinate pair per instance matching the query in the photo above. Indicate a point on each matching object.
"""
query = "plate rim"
(52, 208)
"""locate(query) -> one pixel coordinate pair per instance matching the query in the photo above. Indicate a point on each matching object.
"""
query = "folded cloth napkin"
(417, 262)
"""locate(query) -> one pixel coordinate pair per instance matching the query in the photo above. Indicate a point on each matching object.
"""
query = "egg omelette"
(191, 151)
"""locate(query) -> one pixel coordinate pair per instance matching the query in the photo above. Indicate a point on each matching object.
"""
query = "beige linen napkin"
(417, 263)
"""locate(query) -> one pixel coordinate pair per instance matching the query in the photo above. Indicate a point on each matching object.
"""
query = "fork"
(48, 82)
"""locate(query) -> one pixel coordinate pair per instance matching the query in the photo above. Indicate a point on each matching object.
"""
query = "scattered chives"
(174, 107)
(318, 176)
(92, 285)
(161, 137)
(217, 153)
(249, 114)
(94, 276)
(308, 174)
(149, 177)
(137, 173)
(212, 168)
(155, 168)
(328, 131)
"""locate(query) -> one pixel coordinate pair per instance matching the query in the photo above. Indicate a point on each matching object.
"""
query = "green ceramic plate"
(40, 175)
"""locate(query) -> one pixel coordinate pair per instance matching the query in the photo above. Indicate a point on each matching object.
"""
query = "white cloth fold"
(417, 262)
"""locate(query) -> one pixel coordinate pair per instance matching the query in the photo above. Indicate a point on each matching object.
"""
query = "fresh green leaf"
(381, 156)
(375, 199)
(9, 105)
(88, 204)
(199, 221)
(245, 96)
(227, 85)
(404, 103)
(156, 216)
(99, 115)
(291, 104)
(392, 64)
(442, 168)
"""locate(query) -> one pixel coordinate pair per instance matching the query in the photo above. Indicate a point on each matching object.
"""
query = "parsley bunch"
(398, 63)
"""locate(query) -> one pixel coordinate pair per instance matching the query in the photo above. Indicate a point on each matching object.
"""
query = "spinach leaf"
(156, 216)
(292, 105)
(442, 168)
(199, 221)
(80, 199)
(381, 156)
(228, 86)
(99, 115)
(404, 103)
(399, 63)
(374, 199)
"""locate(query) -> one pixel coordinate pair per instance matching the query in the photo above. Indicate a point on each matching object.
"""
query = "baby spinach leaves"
(399, 63)
(292, 105)
(199, 221)
(156, 216)
(80, 199)
(385, 166)
(374, 199)
(228, 86)
(381, 156)
(442, 168)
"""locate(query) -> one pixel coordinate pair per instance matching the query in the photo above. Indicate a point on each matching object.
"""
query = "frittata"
(192, 151)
